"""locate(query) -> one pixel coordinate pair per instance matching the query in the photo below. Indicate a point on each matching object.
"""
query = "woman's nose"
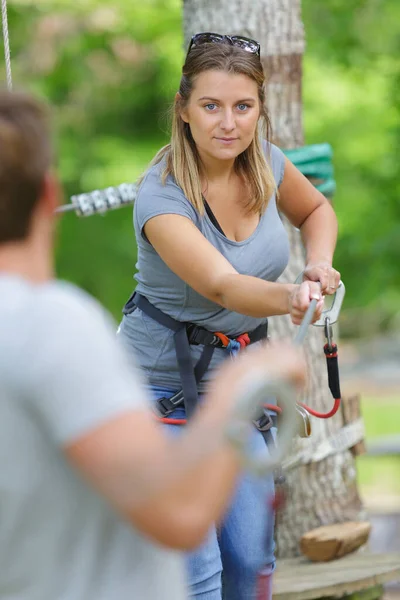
(228, 121)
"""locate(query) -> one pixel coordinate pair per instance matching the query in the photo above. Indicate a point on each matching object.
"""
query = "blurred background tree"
(111, 69)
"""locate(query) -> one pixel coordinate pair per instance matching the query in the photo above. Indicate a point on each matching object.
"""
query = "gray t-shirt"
(264, 254)
(62, 374)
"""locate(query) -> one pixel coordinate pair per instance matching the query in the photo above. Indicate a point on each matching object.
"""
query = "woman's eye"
(242, 107)
(210, 106)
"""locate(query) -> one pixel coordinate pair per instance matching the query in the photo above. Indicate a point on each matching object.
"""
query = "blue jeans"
(243, 545)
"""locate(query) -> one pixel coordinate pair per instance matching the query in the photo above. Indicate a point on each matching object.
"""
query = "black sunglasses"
(245, 43)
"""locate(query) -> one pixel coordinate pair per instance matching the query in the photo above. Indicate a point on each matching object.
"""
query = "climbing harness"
(187, 334)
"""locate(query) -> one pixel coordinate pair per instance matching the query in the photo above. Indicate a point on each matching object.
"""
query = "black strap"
(212, 217)
(187, 372)
(200, 336)
(167, 405)
(264, 425)
(151, 311)
(190, 375)
(333, 370)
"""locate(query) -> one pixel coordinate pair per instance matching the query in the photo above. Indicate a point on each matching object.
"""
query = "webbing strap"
(186, 371)
(190, 375)
(279, 476)
(151, 311)
(333, 370)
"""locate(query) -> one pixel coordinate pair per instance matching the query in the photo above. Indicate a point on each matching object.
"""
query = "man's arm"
(90, 400)
(173, 489)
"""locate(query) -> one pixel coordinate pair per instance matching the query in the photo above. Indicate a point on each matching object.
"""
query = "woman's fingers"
(327, 276)
(301, 298)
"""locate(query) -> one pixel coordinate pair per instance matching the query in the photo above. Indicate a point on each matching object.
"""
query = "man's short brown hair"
(25, 158)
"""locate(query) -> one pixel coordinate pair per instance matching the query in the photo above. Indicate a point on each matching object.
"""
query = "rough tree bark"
(324, 491)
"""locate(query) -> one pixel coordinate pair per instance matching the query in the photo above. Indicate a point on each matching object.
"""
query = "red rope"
(168, 421)
(244, 340)
(319, 415)
(272, 408)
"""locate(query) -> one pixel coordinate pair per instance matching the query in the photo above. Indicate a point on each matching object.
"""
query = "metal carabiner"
(303, 421)
(328, 332)
(333, 312)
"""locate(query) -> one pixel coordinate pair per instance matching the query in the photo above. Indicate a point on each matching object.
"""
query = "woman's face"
(222, 112)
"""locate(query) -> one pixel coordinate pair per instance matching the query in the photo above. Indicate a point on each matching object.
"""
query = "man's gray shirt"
(62, 375)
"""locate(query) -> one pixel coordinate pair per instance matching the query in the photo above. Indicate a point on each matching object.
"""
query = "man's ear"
(51, 193)
(182, 111)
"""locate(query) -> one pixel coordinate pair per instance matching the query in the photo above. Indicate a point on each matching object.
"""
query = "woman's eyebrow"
(217, 100)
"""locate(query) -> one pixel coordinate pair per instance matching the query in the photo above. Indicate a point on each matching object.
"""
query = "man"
(91, 491)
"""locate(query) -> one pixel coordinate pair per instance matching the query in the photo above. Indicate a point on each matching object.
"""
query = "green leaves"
(111, 70)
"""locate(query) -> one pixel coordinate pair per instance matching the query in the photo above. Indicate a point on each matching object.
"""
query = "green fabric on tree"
(315, 162)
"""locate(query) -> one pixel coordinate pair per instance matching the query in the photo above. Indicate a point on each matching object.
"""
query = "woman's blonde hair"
(182, 160)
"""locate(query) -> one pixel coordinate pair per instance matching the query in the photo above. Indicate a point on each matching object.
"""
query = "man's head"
(26, 155)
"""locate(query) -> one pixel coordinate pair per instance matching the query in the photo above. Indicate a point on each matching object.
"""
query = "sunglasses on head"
(244, 43)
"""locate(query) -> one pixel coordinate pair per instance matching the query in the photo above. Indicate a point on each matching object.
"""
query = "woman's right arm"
(197, 262)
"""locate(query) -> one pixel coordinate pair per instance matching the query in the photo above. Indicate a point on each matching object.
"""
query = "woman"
(211, 246)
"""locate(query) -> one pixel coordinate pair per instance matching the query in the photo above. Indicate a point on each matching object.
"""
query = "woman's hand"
(300, 298)
(323, 272)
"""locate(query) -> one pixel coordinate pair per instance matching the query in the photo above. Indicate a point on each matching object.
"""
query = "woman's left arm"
(309, 210)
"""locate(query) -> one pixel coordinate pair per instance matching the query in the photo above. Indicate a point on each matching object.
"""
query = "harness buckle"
(198, 336)
(165, 406)
(264, 423)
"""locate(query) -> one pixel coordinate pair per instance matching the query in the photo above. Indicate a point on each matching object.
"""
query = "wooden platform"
(300, 579)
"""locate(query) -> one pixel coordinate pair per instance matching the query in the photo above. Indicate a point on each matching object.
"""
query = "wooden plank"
(300, 579)
(334, 541)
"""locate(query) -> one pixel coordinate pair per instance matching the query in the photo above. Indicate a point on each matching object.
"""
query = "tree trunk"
(322, 491)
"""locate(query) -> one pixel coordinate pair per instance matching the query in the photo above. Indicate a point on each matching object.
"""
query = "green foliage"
(352, 100)
(380, 474)
(110, 70)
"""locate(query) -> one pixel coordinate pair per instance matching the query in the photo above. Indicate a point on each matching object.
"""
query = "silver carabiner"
(333, 312)
(304, 422)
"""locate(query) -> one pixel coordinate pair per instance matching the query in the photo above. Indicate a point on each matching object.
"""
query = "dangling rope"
(6, 39)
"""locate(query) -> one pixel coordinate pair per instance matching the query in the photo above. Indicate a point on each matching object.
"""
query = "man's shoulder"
(28, 302)
(59, 295)
(62, 306)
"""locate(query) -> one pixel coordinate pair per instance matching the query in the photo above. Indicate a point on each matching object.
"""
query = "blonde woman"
(211, 246)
